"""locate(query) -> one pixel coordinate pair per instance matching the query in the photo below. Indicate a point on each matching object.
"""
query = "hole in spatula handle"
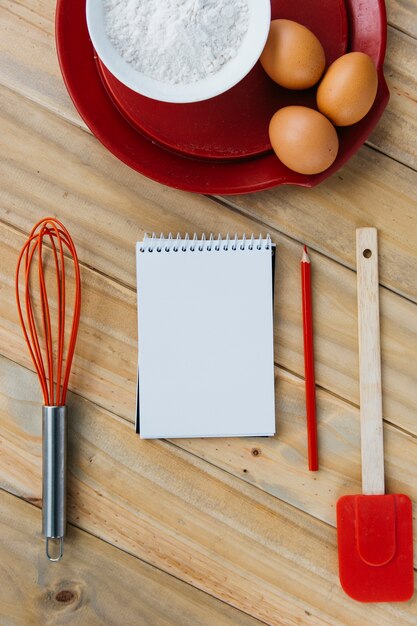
(367, 253)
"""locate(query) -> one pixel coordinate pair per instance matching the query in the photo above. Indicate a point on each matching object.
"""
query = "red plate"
(235, 124)
(221, 145)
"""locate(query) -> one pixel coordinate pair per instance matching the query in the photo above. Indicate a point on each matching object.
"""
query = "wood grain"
(401, 14)
(78, 589)
(28, 56)
(105, 372)
(399, 118)
(184, 515)
(372, 444)
(105, 365)
(366, 192)
(99, 202)
(370, 190)
(279, 465)
(241, 519)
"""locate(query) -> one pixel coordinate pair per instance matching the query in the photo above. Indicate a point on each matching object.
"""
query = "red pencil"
(313, 460)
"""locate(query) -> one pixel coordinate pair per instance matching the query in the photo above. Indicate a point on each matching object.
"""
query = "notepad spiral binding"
(178, 244)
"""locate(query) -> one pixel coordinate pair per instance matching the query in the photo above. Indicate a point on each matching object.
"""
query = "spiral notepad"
(205, 324)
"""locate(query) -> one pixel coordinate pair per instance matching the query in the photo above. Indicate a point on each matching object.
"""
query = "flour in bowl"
(176, 41)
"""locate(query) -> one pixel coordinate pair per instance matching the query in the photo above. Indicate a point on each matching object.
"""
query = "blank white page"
(205, 323)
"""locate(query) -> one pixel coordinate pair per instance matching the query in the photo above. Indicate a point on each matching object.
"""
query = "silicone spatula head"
(374, 531)
(375, 542)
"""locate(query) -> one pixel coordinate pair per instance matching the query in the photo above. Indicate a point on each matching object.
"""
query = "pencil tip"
(305, 258)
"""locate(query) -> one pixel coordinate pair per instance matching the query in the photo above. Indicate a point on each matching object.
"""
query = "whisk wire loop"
(53, 378)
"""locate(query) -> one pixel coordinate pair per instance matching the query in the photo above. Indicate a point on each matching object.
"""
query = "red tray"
(221, 145)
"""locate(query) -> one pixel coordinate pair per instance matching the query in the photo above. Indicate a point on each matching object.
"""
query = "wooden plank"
(399, 118)
(28, 65)
(365, 191)
(28, 55)
(369, 191)
(279, 465)
(402, 15)
(93, 193)
(111, 464)
(184, 515)
(105, 372)
(94, 584)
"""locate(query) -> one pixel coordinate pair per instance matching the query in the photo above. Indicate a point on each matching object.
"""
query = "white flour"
(176, 41)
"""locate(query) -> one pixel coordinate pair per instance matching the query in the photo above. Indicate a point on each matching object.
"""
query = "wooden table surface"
(197, 532)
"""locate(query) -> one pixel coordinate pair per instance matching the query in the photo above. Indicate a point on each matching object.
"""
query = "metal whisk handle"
(54, 484)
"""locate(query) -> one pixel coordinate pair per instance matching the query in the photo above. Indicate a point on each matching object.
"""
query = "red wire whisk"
(50, 244)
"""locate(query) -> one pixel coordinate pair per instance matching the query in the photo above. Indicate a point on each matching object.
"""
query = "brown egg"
(293, 56)
(303, 139)
(348, 89)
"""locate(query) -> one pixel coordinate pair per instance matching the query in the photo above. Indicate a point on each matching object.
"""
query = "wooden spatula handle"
(372, 445)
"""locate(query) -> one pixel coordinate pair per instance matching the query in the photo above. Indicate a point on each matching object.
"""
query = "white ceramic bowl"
(228, 76)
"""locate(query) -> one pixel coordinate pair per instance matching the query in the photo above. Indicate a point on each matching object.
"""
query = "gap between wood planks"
(232, 206)
(81, 125)
(225, 201)
(65, 116)
(30, 502)
(215, 472)
(401, 17)
(93, 440)
(277, 363)
(374, 147)
(402, 30)
(187, 451)
(135, 557)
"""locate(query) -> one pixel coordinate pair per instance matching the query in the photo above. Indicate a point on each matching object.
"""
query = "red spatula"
(375, 533)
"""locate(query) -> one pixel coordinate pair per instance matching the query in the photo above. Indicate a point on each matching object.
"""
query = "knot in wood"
(65, 596)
